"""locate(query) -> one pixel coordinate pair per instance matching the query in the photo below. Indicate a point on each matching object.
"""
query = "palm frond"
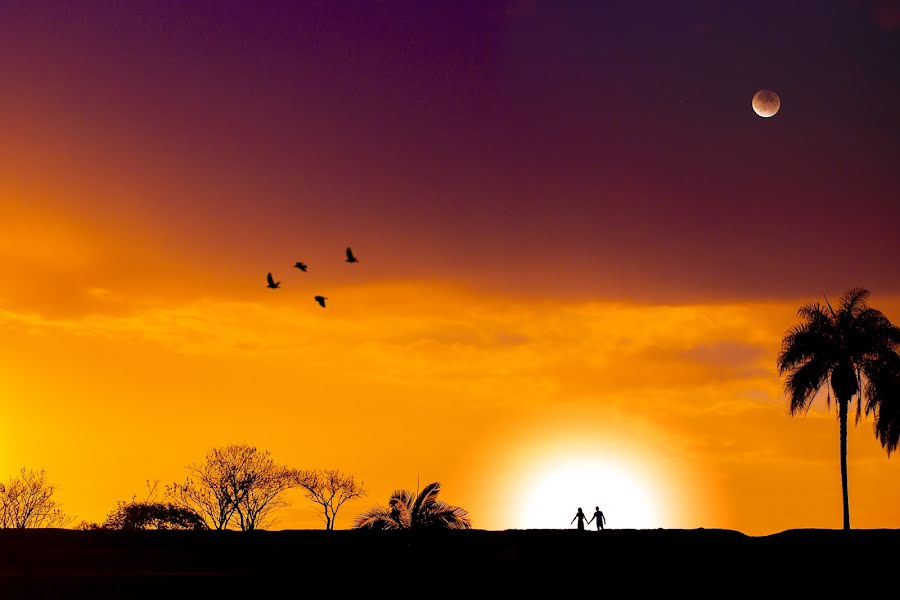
(814, 312)
(428, 495)
(887, 416)
(376, 517)
(814, 338)
(404, 496)
(879, 373)
(887, 426)
(446, 516)
(883, 399)
(870, 333)
(854, 301)
(805, 381)
(400, 505)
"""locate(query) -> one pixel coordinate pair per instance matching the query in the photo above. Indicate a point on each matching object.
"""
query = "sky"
(579, 248)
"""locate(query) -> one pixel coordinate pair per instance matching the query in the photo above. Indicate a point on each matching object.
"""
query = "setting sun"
(627, 497)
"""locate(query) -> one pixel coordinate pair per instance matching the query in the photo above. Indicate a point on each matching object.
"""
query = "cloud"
(430, 339)
(432, 336)
(726, 352)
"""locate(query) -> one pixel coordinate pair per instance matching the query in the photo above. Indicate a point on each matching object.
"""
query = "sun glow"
(622, 491)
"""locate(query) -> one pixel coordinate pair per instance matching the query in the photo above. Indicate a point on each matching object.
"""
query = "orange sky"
(403, 379)
(579, 246)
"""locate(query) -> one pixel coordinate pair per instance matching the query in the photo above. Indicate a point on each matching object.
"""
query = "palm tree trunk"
(842, 412)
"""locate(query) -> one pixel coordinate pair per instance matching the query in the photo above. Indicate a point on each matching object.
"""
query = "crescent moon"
(766, 103)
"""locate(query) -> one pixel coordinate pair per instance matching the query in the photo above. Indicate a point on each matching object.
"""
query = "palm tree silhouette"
(406, 510)
(839, 347)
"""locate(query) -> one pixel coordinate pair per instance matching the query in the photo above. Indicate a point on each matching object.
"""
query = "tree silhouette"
(420, 511)
(26, 502)
(266, 492)
(152, 515)
(838, 348)
(149, 513)
(237, 485)
(330, 489)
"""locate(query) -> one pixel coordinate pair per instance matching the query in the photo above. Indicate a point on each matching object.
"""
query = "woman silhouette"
(580, 516)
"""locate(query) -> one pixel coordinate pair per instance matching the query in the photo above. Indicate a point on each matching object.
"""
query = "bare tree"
(330, 489)
(236, 486)
(26, 502)
(266, 494)
(210, 502)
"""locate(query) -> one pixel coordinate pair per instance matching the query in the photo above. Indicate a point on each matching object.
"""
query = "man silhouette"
(601, 520)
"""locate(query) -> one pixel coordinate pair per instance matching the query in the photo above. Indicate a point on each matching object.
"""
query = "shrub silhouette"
(152, 515)
(408, 511)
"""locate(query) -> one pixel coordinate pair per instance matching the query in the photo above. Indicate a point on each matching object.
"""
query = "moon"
(766, 103)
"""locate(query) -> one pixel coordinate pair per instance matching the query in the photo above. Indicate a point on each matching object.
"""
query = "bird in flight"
(350, 257)
(301, 266)
(272, 283)
(321, 300)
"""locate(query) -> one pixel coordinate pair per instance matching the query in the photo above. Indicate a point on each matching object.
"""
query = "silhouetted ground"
(568, 563)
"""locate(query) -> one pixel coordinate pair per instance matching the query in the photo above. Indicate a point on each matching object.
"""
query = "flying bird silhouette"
(321, 300)
(301, 266)
(272, 283)
(350, 257)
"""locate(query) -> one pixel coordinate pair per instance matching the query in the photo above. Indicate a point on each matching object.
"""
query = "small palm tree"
(420, 511)
(841, 347)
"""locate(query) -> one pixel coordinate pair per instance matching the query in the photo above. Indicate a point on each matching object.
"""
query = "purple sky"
(548, 148)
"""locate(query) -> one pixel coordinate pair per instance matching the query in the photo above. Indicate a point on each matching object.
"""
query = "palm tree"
(840, 347)
(420, 511)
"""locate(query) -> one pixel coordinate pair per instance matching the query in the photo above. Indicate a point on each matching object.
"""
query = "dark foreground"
(297, 564)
